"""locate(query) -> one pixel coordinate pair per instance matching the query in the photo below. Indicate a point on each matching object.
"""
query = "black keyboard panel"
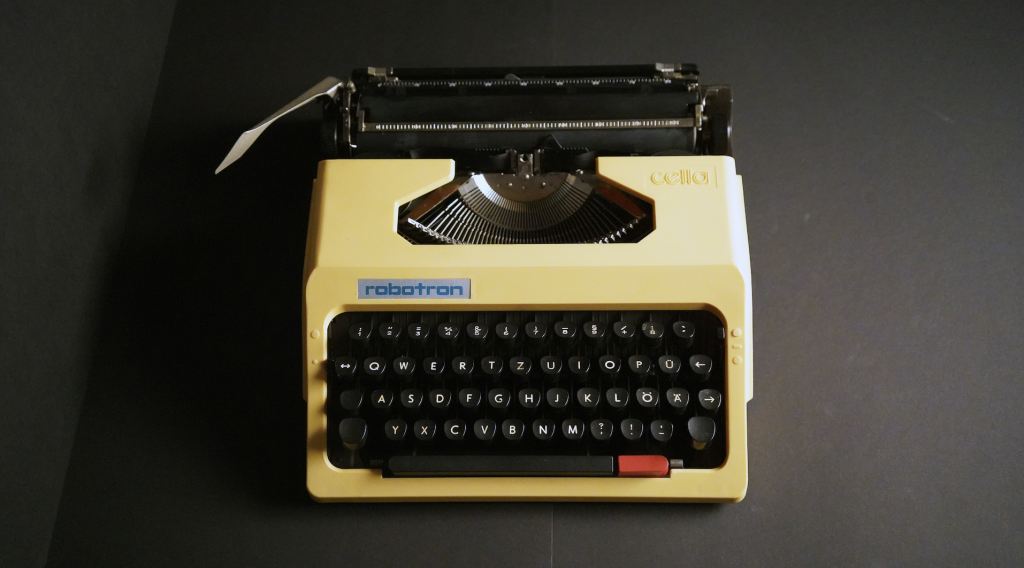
(528, 393)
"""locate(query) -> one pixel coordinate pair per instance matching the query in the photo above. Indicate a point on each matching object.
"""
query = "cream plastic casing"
(696, 258)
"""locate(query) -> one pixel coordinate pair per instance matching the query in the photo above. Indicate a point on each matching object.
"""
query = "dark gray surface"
(76, 87)
(880, 151)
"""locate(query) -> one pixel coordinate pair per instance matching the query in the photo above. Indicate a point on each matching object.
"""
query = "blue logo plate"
(413, 289)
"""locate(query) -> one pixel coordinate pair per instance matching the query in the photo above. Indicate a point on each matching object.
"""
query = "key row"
(522, 366)
(701, 429)
(533, 331)
(709, 400)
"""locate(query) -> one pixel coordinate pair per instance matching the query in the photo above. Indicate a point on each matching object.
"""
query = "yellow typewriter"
(525, 284)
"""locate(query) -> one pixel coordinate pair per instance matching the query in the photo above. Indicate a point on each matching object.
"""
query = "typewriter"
(525, 284)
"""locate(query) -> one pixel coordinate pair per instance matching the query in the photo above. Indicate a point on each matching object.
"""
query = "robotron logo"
(414, 289)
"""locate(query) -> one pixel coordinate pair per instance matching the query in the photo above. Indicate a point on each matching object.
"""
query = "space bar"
(468, 466)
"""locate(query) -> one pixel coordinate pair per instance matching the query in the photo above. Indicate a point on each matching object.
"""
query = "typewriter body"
(526, 284)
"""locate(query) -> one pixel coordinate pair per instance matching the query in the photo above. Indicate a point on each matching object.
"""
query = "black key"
(617, 398)
(491, 365)
(579, 366)
(411, 398)
(502, 466)
(609, 365)
(632, 429)
(484, 429)
(374, 366)
(702, 431)
(389, 330)
(462, 366)
(565, 330)
(448, 331)
(404, 365)
(520, 366)
(710, 400)
(678, 399)
(512, 429)
(543, 429)
(506, 331)
(670, 365)
(424, 430)
(345, 366)
(653, 332)
(440, 398)
(701, 364)
(455, 429)
(557, 398)
(639, 364)
(433, 366)
(647, 397)
(588, 397)
(683, 329)
(602, 429)
(594, 330)
(550, 366)
(499, 398)
(536, 331)
(661, 430)
(469, 398)
(529, 398)
(381, 399)
(351, 399)
(418, 331)
(395, 429)
(477, 331)
(360, 331)
(624, 331)
(573, 429)
(353, 433)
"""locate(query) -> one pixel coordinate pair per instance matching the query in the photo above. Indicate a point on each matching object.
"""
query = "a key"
(455, 429)
(588, 397)
(543, 429)
(710, 401)
(573, 429)
(476, 331)
(702, 431)
(484, 429)
(520, 366)
(440, 398)
(351, 399)
(424, 430)
(632, 429)
(469, 398)
(602, 429)
(529, 398)
(353, 433)
(661, 430)
(678, 399)
(617, 398)
(557, 398)
(639, 365)
(701, 366)
(395, 429)
(381, 400)
(512, 429)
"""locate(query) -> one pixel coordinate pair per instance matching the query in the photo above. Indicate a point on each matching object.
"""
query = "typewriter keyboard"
(527, 393)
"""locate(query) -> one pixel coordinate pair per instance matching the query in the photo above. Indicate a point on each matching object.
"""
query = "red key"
(643, 466)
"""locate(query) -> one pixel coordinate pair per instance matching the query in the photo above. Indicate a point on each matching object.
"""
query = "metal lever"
(326, 88)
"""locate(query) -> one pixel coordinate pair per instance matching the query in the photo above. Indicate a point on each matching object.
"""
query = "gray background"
(880, 147)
